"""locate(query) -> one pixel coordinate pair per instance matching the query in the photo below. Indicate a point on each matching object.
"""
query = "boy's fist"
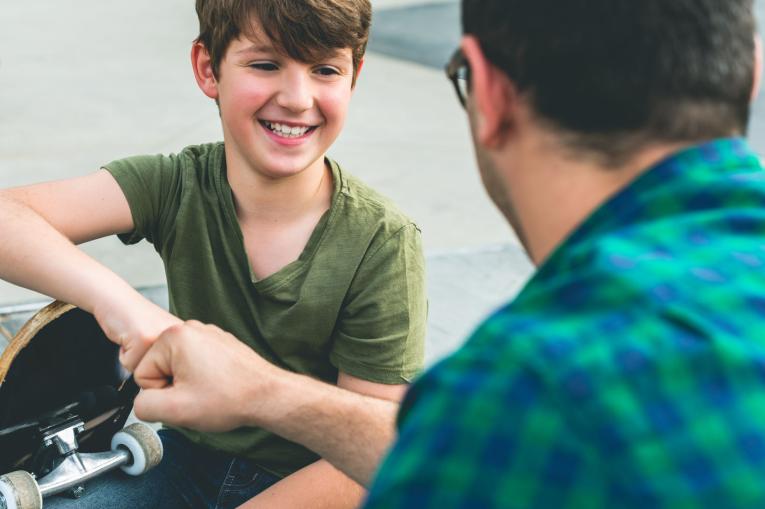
(134, 326)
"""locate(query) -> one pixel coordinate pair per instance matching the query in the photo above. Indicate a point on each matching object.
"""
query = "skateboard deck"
(63, 394)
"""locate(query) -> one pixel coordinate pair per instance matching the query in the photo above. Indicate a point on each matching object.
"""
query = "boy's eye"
(327, 71)
(264, 66)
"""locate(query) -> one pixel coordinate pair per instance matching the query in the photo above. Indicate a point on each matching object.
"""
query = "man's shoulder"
(568, 331)
(619, 317)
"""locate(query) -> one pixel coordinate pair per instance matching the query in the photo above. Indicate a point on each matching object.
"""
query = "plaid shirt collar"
(655, 193)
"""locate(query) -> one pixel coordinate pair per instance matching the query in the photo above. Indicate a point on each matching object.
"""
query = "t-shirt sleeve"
(380, 335)
(152, 187)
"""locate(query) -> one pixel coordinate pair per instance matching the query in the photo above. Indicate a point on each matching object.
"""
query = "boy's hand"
(199, 376)
(134, 324)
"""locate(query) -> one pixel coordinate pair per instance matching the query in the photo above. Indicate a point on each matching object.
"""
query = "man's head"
(569, 100)
(305, 30)
(611, 76)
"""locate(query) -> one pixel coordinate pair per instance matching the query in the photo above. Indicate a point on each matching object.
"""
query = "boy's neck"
(263, 199)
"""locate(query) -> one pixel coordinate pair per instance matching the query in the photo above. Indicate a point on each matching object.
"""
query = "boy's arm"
(320, 485)
(41, 225)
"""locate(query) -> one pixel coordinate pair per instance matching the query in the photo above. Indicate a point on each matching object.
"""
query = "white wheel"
(144, 446)
(19, 490)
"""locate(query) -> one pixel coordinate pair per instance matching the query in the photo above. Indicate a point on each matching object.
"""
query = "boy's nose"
(296, 93)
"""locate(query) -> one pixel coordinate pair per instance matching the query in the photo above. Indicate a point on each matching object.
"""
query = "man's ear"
(492, 96)
(757, 67)
(203, 70)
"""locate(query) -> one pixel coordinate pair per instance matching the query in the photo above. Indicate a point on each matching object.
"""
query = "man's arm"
(320, 485)
(41, 225)
(199, 376)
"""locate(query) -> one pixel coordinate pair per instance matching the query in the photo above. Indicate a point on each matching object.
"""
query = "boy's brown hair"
(306, 30)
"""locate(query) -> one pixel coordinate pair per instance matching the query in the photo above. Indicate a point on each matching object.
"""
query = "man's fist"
(200, 377)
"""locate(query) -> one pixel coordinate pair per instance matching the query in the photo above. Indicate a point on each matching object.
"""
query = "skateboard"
(64, 399)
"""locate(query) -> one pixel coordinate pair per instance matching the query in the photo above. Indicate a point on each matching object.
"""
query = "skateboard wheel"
(144, 446)
(19, 490)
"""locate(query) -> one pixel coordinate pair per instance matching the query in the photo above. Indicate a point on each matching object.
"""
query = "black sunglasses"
(458, 71)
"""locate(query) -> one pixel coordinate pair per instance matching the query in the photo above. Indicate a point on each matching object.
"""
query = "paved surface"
(400, 33)
(90, 81)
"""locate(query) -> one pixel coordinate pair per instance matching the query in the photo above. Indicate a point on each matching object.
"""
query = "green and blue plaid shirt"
(629, 372)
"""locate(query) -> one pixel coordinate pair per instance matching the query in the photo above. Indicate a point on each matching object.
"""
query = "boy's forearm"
(319, 486)
(39, 257)
(351, 431)
(36, 256)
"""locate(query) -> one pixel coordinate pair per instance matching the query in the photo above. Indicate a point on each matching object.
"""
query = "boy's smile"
(279, 115)
(288, 133)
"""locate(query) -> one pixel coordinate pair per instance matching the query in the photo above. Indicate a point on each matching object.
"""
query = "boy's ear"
(203, 70)
(358, 72)
(493, 97)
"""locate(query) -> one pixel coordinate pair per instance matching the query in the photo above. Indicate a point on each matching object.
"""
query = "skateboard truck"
(136, 449)
(76, 467)
(48, 389)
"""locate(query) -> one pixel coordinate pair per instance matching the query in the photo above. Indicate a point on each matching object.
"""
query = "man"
(630, 371)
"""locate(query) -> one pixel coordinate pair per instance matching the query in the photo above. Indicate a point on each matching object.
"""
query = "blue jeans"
(188, 477)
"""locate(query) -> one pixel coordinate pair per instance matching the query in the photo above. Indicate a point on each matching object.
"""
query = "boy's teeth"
(287, 131)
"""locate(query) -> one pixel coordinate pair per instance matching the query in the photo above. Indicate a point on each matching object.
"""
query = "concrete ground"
(87, 82)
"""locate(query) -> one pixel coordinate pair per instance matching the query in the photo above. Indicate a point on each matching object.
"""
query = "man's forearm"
(199, 376)
(351, 431)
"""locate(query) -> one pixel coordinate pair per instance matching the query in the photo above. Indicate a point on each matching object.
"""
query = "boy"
(261, 235)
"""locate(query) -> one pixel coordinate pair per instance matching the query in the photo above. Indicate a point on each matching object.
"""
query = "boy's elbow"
(13, 196)
(9, 200)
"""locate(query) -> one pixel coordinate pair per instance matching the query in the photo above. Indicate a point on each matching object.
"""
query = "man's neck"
(554, 192)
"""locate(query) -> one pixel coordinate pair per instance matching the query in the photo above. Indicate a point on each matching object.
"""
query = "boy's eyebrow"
(256, 48)
(266, 48)
(338, 53)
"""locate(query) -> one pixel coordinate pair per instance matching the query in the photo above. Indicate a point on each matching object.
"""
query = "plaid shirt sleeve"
(475, 434)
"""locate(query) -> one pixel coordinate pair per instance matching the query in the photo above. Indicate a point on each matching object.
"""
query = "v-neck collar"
(295, 267)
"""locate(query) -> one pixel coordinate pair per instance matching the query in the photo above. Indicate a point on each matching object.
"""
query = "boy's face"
(280, 115)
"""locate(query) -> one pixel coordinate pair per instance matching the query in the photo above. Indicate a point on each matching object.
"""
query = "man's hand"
(134, 323)
(199, 376)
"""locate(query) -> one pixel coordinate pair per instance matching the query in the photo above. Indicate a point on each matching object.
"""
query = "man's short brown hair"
(613, 76)
(306, 30)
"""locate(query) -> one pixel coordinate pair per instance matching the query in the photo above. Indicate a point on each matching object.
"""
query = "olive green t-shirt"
(353, 301)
